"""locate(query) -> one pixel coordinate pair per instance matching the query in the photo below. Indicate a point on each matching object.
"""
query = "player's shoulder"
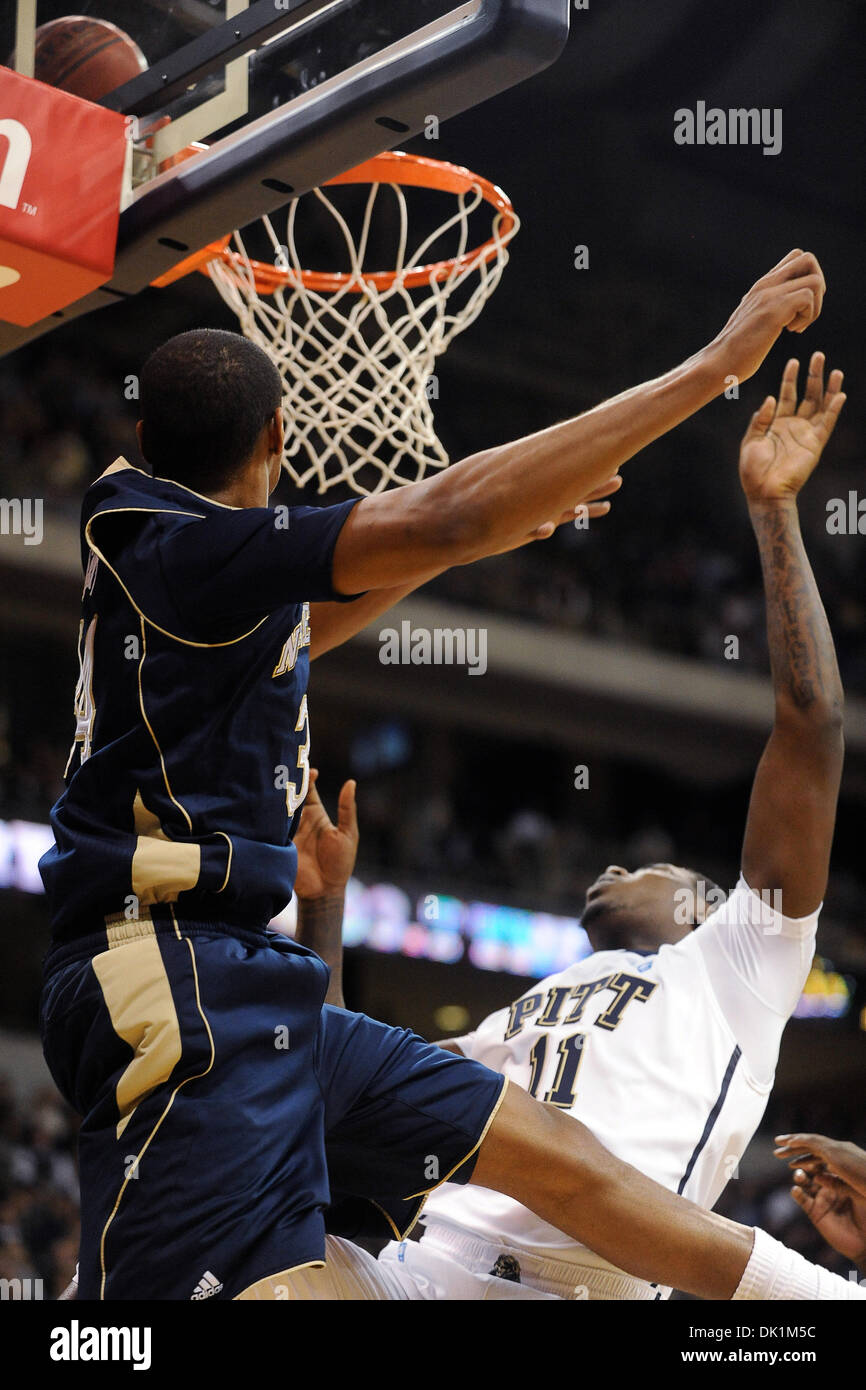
(129, 510)
(762, 911)
(123, 487)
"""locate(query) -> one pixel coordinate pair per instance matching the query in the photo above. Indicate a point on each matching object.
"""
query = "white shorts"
(435, 1271)
(410, 1272)
(454, 1263)
(446, 1265)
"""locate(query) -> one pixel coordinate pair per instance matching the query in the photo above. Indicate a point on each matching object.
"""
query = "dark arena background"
(613, 719)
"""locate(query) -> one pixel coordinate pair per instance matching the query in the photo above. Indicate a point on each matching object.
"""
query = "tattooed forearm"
(320, 927)
(802, 655)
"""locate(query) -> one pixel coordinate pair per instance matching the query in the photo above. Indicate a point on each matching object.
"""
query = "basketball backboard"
(286, 94)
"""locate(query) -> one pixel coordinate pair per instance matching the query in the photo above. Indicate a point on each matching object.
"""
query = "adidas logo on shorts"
(206, 1287)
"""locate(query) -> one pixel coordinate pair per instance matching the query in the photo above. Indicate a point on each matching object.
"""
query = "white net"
(357, 362)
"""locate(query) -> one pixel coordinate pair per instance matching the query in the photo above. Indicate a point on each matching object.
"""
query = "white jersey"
(667, 1058)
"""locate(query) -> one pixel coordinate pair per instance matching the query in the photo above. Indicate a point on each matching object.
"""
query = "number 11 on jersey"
(564, 1089)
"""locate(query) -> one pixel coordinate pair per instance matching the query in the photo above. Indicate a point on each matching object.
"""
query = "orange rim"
(407, 170)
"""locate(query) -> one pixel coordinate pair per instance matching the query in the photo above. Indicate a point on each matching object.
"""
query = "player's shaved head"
(653, 906)
(206, 396)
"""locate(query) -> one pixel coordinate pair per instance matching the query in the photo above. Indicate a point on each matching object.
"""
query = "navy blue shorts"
(222, 1104)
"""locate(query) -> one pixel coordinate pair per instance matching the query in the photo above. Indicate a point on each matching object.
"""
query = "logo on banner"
(16, 161)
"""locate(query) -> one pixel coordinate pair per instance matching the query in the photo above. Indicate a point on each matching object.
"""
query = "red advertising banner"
(61, 176)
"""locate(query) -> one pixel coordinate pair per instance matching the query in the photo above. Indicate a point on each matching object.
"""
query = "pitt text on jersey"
(624, 988)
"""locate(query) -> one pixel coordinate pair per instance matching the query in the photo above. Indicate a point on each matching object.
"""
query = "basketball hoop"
(356, 349)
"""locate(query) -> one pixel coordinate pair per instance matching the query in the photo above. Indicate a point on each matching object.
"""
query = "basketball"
(87, 57)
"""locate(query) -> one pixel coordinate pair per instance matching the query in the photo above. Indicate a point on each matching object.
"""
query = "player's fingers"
(796, 1153)
(813, 1152)
(788, 388)
(579, 513)
(801, 301)
(612, 485)
(809, 1143)
(794, 272)
(823, 289)
(828, 1181)
(762, 419)
(834, 386)
(814, 390)
(797, 267)
(816, 1201)
(347, 809)
(801, 309)
(826, 421)
(582, 509)
(805, 1163)
(803, 1199)
(797, 251)
(774, 271)
(814, 1182)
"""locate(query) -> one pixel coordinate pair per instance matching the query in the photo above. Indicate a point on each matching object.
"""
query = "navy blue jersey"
(190, 760)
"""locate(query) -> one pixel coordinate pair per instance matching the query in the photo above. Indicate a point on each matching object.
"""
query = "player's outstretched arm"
(334, 623)
(792, 812)
(326, 858)
(497, 499)
(829, 1183)
(551, 1163)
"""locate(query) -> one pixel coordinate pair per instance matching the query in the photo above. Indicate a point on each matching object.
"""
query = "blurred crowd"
(677, 582)
(31, 778)
(39, 1228)
(62, 421)
(527, 851)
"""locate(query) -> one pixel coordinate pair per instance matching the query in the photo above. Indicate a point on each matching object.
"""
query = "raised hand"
(830, 1186)
(784, 441)
(326, 852)
(788, 296)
